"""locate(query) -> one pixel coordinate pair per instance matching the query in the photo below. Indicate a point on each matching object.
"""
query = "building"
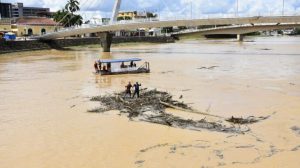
(34, 26)
(105, 21)
(5, 25)
(5, 10)
(132, 15)
(18, 10)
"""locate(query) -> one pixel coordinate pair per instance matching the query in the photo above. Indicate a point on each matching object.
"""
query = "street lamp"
(237, 8)
(191, 9)
(282, 7)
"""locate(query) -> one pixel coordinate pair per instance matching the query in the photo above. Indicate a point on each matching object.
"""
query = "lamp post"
(191, 9)
(282, 7)
(237, 8)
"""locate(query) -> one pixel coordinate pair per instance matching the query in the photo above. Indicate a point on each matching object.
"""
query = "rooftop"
(119, 60)
(36, 21)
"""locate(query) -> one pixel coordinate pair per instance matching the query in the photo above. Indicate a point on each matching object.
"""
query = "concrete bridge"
(106, 37)
(189, 23)
(238, 30)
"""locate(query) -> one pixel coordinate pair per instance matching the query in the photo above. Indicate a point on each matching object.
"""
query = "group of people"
(136, 87)
(132, 64)
(98, 67)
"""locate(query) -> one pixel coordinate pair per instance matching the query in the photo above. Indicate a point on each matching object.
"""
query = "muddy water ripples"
(45, 96)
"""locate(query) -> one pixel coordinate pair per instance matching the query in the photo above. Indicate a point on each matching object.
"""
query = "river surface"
(45, 97)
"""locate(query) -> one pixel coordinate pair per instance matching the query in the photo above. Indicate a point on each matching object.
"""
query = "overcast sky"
(176, 8)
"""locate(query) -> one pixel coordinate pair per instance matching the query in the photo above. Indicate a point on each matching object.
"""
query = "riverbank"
(32, 45)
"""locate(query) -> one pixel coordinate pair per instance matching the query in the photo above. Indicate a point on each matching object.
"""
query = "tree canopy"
(66, 16)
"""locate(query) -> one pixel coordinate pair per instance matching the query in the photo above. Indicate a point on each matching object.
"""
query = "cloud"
(177, 8)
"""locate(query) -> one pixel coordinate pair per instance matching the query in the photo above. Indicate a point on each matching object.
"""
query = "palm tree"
(66, 17)
(60, 16)
(72, 6)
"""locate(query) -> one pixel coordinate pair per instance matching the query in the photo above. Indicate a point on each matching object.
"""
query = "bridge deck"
(194, 22)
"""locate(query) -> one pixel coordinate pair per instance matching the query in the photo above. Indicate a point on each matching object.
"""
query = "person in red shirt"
(96, 67)
(128, 89)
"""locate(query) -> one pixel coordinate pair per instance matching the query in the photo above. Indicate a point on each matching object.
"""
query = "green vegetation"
(151, 15)
(124, 18)
(167, 30)
(72, 6)
(66, 16)
(280, 32)
(296, 31)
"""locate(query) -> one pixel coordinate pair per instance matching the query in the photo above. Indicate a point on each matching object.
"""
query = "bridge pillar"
(240, 37)
(106, 40)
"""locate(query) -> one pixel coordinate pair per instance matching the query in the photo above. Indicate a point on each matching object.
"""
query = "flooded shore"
(45, 96)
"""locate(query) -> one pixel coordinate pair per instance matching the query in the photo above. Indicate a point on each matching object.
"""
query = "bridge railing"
(194, 30)
(208, 16)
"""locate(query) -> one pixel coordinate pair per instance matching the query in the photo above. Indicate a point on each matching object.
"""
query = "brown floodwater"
(45, 97)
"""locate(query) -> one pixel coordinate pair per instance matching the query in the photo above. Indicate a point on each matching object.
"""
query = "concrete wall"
(5, 28)
(36, 30)
(16, 46)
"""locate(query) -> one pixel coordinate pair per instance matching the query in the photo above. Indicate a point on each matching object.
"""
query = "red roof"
(36, 21)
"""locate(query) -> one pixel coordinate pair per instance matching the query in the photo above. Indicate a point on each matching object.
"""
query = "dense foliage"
(66, 16)
(296, 31)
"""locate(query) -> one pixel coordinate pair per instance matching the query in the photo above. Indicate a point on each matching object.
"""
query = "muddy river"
(45, 95)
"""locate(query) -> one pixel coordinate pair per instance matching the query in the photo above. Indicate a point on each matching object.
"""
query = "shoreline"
(61, 44)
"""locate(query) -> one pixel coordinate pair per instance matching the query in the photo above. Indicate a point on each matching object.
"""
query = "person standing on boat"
(96, 67)
(122, 65)
(136, 90)
(128, 89)
(100, 65)
(131, 64)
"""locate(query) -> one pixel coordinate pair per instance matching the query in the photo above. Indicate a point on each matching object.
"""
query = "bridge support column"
(240, 37)
(106, 40)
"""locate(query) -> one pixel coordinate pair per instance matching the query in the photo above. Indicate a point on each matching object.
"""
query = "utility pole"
(159, 12)
(237, 8)
(191, 9)
(282, 7)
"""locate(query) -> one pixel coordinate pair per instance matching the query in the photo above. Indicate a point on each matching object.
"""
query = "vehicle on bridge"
(121, 66)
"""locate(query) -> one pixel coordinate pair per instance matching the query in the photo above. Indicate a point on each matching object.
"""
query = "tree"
(120, 18)
(61, 16)
(72, 6)
(151, 15)
(296, 31)
(66, 16)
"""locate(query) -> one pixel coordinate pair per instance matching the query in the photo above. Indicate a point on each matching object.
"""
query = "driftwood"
(248, 120)
(151, 105)
(188, 110)
(209, 68)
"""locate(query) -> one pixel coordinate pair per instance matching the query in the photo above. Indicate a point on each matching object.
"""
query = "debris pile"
(209, 68)
(248, 120)
(296, 129)
(150, 107)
